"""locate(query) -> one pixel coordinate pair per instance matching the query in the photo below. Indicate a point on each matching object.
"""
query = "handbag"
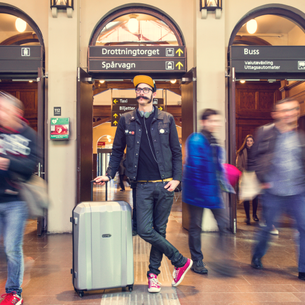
(34, 193)
(232, 173)
(249, 186)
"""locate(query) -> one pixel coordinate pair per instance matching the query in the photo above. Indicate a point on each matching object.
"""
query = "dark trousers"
(134, 211)
(195, 229)
(254, 207)
(122, 182)
(273, 208)
(154, 204)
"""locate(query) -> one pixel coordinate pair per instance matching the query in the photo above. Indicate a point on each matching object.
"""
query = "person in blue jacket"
(203, 182)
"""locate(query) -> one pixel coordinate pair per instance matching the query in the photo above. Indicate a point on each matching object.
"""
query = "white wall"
(211, 65)
(63, 61)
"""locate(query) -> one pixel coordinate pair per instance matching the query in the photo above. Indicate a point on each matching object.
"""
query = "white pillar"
(210, 59)
(63, 36)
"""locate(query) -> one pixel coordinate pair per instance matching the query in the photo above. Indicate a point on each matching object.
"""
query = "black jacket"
(262, 152)
(21, 149)
(165, 140)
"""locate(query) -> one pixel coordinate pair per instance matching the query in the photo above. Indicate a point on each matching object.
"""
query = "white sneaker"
(274, 231)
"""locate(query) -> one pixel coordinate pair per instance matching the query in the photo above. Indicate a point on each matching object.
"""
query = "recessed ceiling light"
(133, 24)
(251, 26)
(20, 25)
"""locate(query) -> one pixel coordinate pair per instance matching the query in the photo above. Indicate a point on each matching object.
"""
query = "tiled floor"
(48, 280)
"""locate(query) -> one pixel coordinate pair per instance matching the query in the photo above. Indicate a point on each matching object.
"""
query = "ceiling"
(270, 24)
(7, 23)
(267, 24)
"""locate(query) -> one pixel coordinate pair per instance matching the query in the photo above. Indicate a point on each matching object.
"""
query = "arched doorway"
(155, 32)
(122, 15)
(22, 68)
(249, 104)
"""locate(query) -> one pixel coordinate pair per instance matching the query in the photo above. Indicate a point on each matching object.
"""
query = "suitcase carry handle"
(106, 191)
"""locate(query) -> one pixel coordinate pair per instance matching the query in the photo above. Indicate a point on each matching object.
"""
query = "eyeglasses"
(144, 90)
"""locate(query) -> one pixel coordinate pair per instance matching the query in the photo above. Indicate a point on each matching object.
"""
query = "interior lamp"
(251, 26)
(20, 25)
(133, 24)
(61, 5)
(210, 5)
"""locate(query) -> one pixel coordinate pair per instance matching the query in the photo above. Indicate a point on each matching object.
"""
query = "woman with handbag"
(242, 165)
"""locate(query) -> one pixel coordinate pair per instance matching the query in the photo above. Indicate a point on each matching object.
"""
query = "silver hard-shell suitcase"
(102, 246)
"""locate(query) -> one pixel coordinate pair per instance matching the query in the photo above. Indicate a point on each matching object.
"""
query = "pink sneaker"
(179, 273)
(11, 298)
(153, 284)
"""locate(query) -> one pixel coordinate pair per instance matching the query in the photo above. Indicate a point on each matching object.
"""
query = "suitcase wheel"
(130, 288)
(80, 293)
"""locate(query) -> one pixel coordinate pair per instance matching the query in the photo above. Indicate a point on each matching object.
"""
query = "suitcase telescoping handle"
(106, 191)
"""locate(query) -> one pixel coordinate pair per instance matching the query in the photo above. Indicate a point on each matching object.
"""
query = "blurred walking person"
(278, 157)
(18, 156)
(242, 165)
(203, 182)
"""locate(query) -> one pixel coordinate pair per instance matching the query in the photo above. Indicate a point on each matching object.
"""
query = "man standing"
(203, 183)
(278, 158)
(18, 156)
(154, 162)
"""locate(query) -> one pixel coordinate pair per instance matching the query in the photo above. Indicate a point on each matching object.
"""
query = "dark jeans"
(134, 211)
(254, 207)
(195, 229)
(273, 208)
(154, 204)
(122, 182)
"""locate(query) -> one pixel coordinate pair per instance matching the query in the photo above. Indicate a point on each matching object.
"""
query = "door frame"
(231, 147)
(231, 136)
(84, 136)
(189, 112)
